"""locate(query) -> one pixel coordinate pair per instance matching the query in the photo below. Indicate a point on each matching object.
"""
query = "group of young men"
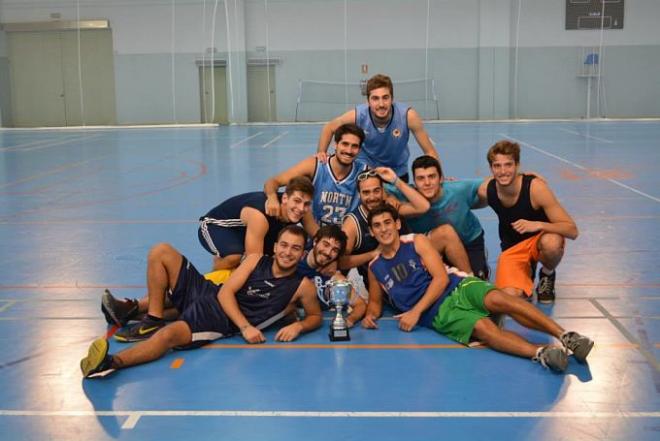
(367, 224)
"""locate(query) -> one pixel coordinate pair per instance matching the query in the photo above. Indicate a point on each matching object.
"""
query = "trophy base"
(339, 334)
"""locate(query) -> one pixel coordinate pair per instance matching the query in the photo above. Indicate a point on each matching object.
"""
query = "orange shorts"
(514, 266)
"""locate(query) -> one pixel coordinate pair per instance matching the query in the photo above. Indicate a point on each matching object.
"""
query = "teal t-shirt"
(455, 208)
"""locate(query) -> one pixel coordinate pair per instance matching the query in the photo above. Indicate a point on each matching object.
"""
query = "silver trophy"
(338, 293)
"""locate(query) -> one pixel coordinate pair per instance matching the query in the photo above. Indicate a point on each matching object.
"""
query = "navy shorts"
(476, 251)
(221, 241)
(197, 301)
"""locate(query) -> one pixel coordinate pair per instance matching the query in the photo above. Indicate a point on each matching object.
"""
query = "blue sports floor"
(79, 209)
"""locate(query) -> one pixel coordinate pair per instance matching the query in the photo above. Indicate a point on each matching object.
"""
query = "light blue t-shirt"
(454, 207)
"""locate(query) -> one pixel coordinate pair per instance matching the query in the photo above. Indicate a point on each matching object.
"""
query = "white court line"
(45, 143)
(134, 416)
(572, 132)
(236, 144)
(581, 167)
(131, 421)
(274, 140)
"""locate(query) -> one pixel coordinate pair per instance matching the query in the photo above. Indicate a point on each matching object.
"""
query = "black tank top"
(263, 296)
(522, 209)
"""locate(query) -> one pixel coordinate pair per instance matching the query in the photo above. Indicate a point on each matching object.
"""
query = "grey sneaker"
(553, 357)
(118, 312)
(578, 344)
(545, 290)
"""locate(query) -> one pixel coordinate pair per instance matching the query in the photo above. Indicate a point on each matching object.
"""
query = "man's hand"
(272, 206)
(369, 322)
(252, 335)
(322, 156)
(407, 320)
(289, 333)
(387, 174)
(523, 226)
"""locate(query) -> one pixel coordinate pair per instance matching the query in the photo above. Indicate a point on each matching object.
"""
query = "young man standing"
(335, 181)
(387, 126)
(412, 274)
(240, 225)
(533, 226)
(258, 293)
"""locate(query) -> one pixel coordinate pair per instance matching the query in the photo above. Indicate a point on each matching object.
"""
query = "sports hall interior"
(122, 122)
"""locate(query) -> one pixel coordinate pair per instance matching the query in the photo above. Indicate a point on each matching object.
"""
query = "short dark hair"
(378, 81)
(426, 161)
(333, 232)
(504, 147)
(296, 230)
(367, 174)
(301, 184)
(381, 209)
(349, 128)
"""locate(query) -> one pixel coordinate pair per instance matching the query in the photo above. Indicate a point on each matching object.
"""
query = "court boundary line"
(573, 132)
(579, 166)
(134, 416)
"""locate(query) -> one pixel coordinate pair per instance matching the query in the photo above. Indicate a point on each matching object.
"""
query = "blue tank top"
(405, 279)
(228, 215)
(264, 296)
(386, 146)
(333, 198)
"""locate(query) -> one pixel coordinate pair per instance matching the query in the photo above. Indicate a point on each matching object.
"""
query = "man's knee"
(444, 236)
(484, 329)
(175, 334)
(551, 244)
(160, 251)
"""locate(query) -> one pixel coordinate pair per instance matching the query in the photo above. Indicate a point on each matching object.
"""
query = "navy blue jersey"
(334, 198)
(405, 279)
(387, 146)
(215, 239)
(365, 242)
(264, 296)
(320, 280)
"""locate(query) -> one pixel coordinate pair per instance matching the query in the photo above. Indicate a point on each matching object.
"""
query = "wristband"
(395, 181)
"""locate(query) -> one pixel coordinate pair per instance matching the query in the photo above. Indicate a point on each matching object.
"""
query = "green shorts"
(461, 310)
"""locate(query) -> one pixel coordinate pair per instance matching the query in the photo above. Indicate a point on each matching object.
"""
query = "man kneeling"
(259, 292)
(411, 272)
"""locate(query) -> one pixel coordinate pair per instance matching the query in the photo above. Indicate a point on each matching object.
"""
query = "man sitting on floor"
(262, 290)
(412, 274)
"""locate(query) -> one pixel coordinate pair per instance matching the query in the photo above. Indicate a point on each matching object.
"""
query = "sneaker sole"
(546, 301)
(95, 356)
(582, 353)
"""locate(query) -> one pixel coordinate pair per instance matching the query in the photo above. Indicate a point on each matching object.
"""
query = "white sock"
(546, 271)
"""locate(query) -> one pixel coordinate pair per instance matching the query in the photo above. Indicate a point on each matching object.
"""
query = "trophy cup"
(339, 292)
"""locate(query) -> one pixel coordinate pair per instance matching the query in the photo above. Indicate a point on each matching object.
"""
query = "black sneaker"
(118, 312)
(553, 357)
(139, 331)
(578, 344)
(98, 362)
(545, 290)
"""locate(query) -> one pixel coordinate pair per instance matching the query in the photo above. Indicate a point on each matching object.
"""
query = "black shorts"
(197, 301)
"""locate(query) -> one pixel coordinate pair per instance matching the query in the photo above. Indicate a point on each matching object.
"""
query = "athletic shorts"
(197, 301)
(514, 266)
(476, 251)
(221, 241)
(462, 309)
